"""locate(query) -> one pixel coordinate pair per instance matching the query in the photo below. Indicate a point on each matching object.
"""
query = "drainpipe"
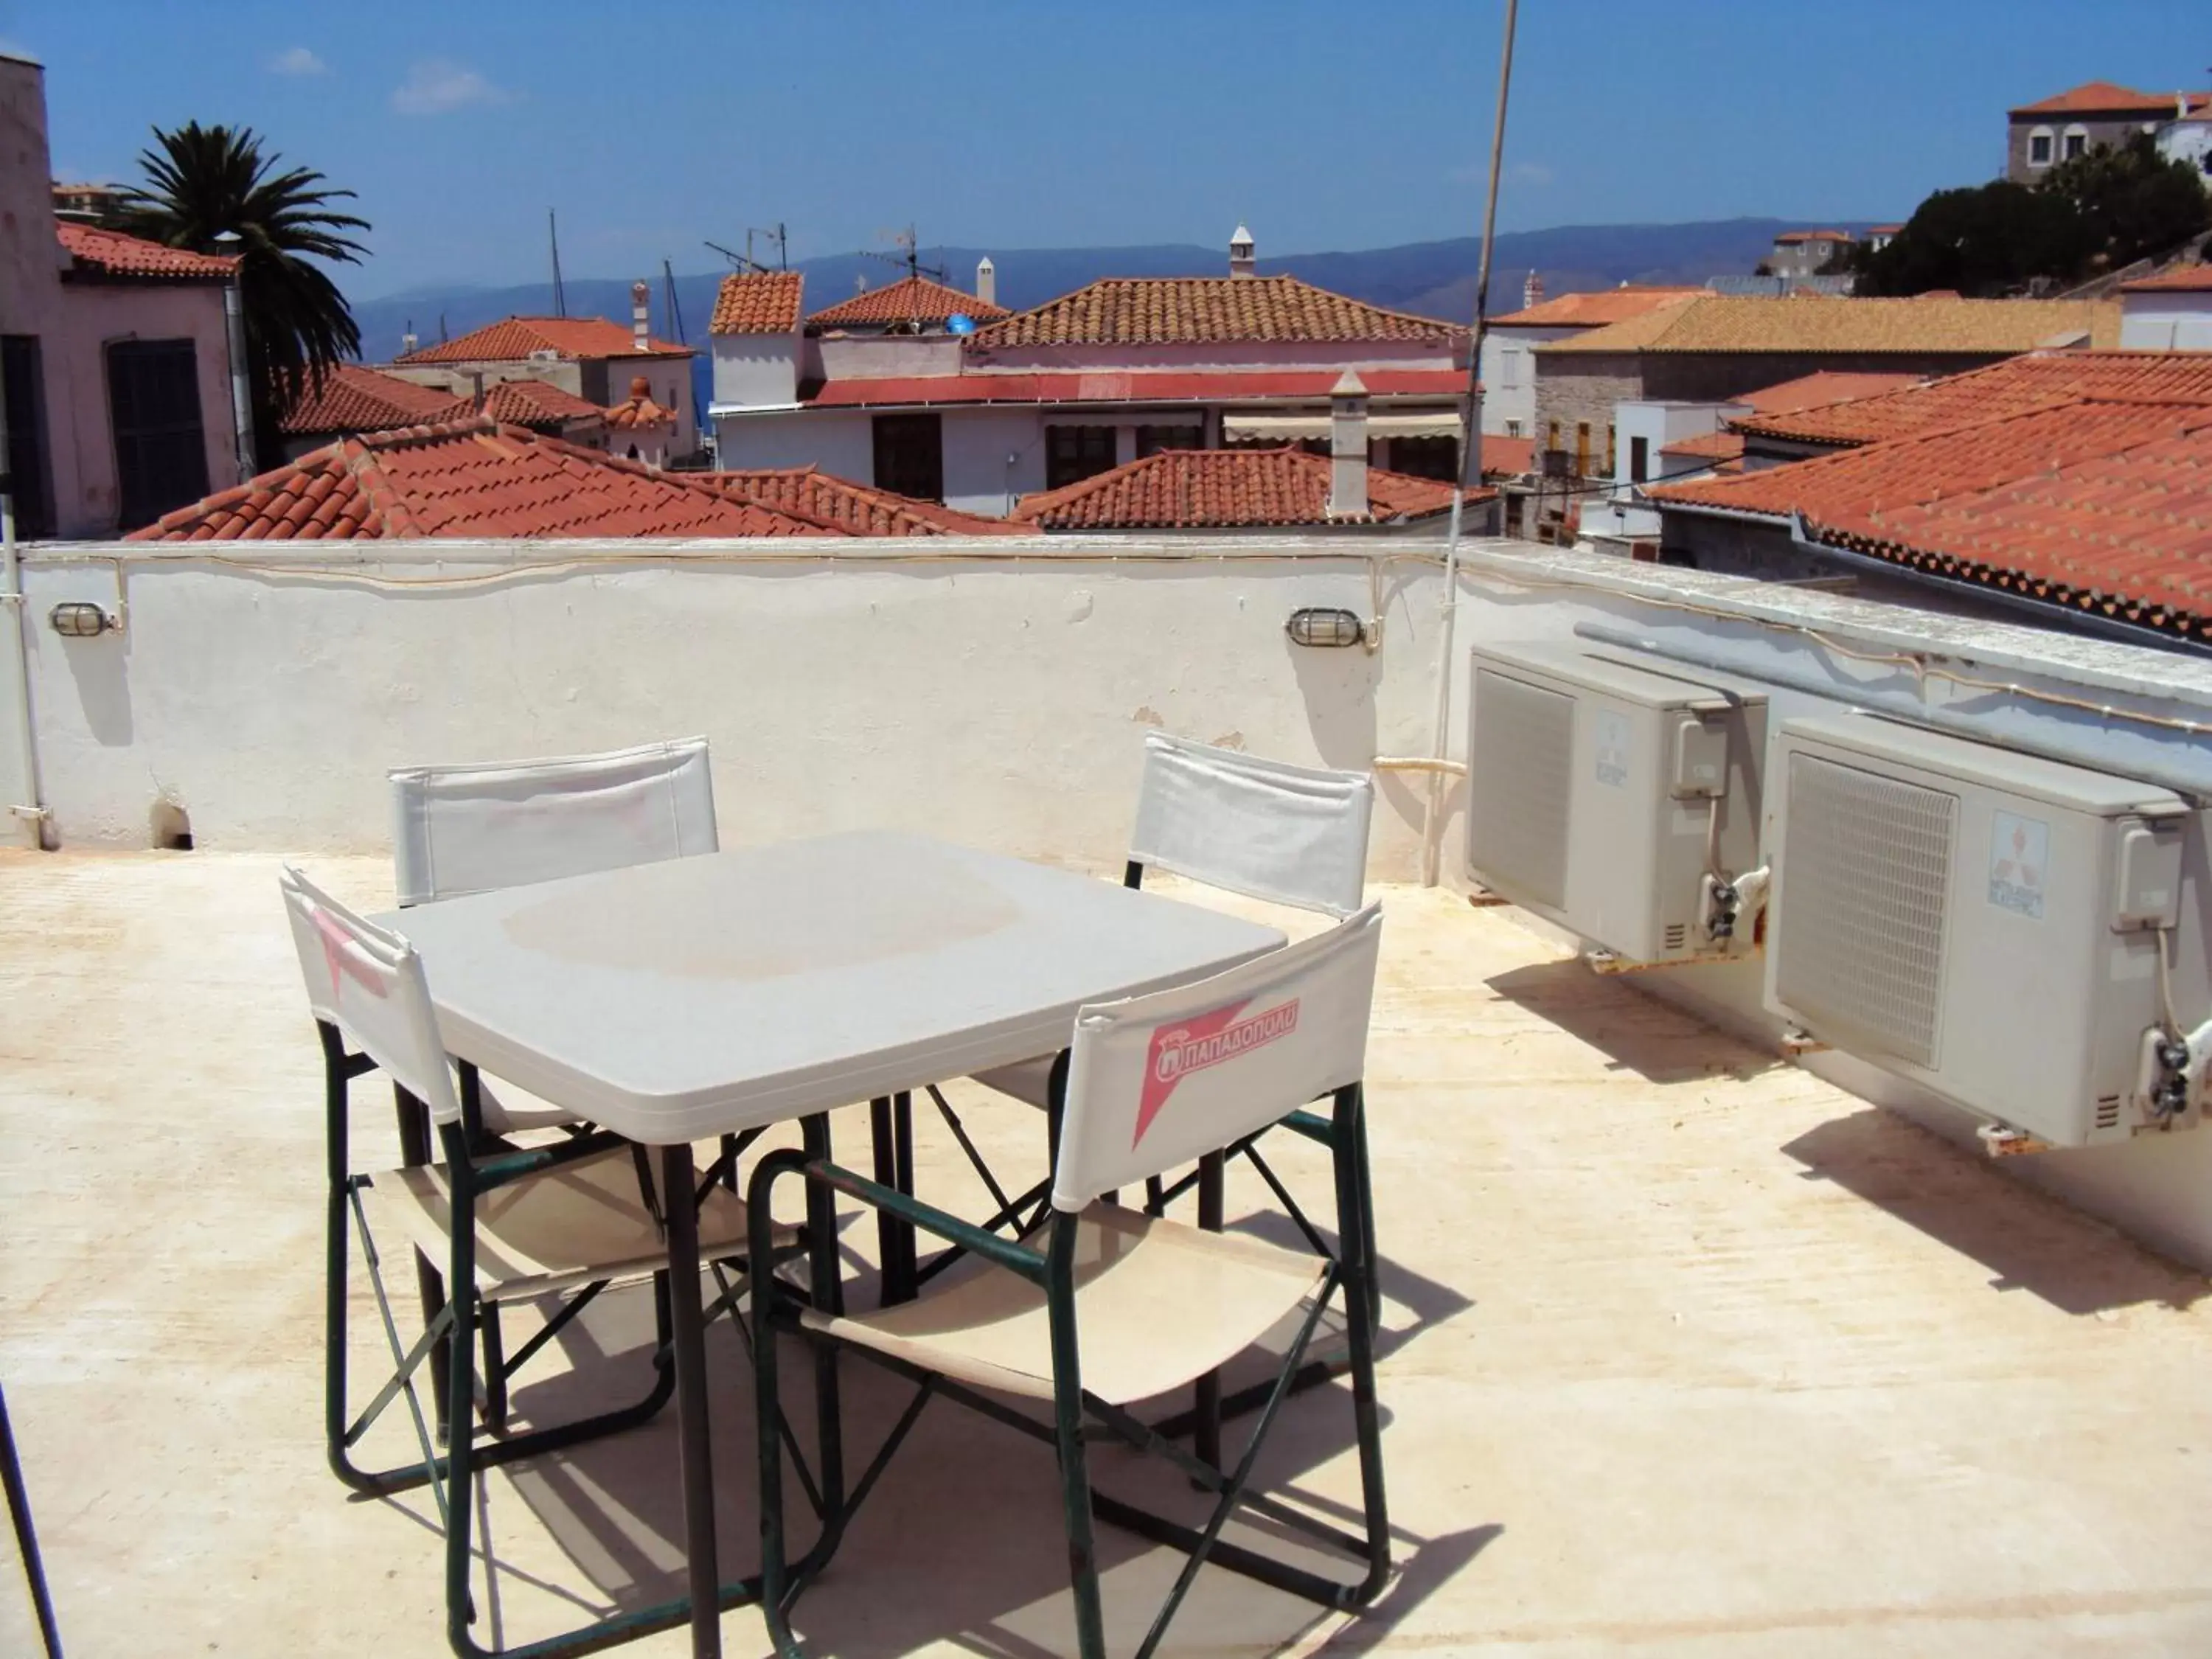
(1470, 467)
(233, 328)
(19, 789)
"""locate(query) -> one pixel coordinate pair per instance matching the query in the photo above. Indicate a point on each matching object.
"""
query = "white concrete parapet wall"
(993, 692)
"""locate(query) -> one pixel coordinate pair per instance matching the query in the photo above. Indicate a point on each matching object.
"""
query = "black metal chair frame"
(1077, 1415)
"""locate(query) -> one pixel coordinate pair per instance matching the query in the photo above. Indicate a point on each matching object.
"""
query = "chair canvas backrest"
(369, 984)
(1294, 833)
(462, 830)
(1158, 1080)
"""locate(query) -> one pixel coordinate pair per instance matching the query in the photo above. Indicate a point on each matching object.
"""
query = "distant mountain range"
(1435, 279)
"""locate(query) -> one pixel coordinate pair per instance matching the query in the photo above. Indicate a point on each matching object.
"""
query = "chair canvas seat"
(555, 1230)
(506, 1109)
(1158, 1304)
(1026, 1080)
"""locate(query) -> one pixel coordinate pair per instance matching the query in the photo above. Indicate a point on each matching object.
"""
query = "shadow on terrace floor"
(1636, 1033)
(2030, 1241)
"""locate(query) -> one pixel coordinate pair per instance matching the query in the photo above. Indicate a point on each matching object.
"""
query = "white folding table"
(703, 996)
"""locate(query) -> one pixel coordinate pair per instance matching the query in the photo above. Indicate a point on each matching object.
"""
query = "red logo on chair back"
(1191, 1045)
(339, 952)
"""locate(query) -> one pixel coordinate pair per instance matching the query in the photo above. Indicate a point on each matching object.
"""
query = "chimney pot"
(987, 281)
(1240, 260)
(641, 315)
(1347, 447)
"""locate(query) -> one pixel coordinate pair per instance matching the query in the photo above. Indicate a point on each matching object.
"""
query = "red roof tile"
(2101, 506)
(758, 302)
(468, 479)
(1814, 236)
(514, 339)
(111, 253)
(1227, 488)
(352, 398)
(909, 300)
(535, 403)
(1199, 385)
(2105, 98)
(1595, 309)
(638, 410)
(2013, 387)
(1507, 456)
(1821, 388)
(2182, 279)
(1708, 447)
(1209, 310)
(857, 509)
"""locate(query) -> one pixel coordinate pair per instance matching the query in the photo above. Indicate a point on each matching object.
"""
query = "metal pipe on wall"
(241, 392)
(22, 803)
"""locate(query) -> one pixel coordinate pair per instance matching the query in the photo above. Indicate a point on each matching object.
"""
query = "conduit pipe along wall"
(22, 806)
(2163, 751)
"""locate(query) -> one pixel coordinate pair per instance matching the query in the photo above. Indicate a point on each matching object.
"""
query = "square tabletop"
(699, 996)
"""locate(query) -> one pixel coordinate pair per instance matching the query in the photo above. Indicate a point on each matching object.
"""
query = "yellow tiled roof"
(1729, 322)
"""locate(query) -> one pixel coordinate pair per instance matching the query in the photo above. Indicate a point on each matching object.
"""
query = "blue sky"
(1323, 124)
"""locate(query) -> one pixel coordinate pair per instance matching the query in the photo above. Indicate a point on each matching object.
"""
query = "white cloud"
(297, 60)
(436, 86)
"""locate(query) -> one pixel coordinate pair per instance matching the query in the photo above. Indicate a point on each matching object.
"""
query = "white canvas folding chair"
(513, 1226)
(1102, 1306)
(1266, 828)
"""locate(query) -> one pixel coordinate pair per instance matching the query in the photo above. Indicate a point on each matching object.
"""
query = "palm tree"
(205, 186)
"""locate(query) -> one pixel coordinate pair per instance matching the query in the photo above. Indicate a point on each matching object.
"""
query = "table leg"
(903, 1163)
(689, 1355)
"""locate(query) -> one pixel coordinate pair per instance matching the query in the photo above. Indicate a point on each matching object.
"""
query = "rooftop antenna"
(743, 262)
(775, 235)
(560, 295)
(908, 255)
(675, 311)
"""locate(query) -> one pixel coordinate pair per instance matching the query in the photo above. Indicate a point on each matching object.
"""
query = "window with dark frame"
(2077, 145)
(2038, 150)
(910, 455)
(1639, 459)
(1152, 440)
(1072, 454)
(161, 445)
(21, 395)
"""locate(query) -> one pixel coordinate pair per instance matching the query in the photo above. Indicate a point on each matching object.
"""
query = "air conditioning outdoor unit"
(1605, 790)
(1985, 923)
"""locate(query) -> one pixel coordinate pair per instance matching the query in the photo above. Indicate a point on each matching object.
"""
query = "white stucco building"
(2170, 312)
(889, 388)
(1509, 344)
(115, 360)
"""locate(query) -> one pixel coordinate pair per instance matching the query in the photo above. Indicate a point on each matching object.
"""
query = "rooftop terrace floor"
(1687, 1353)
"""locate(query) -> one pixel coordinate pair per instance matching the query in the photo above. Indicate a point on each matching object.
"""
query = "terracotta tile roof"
(1227, 488)
(1884, 230)
(533, 403)
(2182, 279)
(1721, 445)
(111, 253)
(639, 411)
(2101, 506)
(1823, 387)
(1115, 386)
(2012, 387)
(856, 509)
(909, 300)
(511, 339)
(1179, 310)
(472, 477)
(2105, 98)
(1508, 456)
(1596, 309)
(353, 399)
(1814, 236)
(758, 302)
(1718, 323)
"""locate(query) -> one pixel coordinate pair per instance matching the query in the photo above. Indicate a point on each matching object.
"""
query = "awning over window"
(1391, 423)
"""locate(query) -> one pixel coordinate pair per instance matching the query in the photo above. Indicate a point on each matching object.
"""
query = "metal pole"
(26, 1540)
(1470, 463)
(23, 800)
(241, 393)
(553, 236)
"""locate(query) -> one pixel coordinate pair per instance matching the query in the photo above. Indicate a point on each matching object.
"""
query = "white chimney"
(1532, 291)
(640, 317)
(1347, 447)
(407, 343)
(1241, 262)
(987, 281)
